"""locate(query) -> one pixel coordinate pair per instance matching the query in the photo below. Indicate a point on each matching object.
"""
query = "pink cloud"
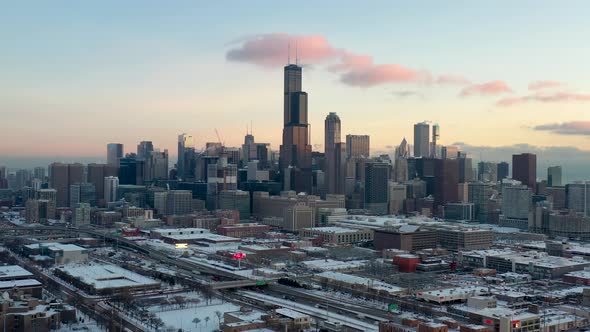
(566, 128)
(452, 79)
(371, 75)
(272, 50)
(489, 88)
(539, 85)
(545, 98)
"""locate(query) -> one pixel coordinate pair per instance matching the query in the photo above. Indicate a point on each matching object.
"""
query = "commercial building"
(421, 139)
(459, 211)
(554, 176)
(243, 230)
(179, 202)
(82, 193)
(295, 150)
(338, 235)
(105, 278)
(114, 152)
(61, 176)
(376, 187)
(358, 146)
(39, 210)
(60, 253)
(524, 169)
(578, 197)
(96, 174)
(110, 185)
(235, 200)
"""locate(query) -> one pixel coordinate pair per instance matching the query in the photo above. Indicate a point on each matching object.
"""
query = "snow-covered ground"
(183, 318)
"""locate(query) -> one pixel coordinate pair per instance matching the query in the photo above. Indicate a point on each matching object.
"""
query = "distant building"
(61, 176)
(179, 202)
(376, 187)
(524, 169)
(516, 204)
(82, 193)
(81, 214)
(338, 235)
(358, 146)
(144, 148)
(503, 170)
(421, 139)
(111, 184)
(554, 176)
(114, 152)
(235, 200)
(578, 197)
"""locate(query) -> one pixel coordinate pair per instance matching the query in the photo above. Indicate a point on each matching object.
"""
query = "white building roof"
(107, 276)
(13, 271)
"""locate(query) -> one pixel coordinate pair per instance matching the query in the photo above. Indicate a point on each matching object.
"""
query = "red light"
(441, 297)
(239, 255)
(489, 321)
(419, 294)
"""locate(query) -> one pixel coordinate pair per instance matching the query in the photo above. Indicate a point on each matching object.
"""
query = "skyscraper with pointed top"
(295, 152)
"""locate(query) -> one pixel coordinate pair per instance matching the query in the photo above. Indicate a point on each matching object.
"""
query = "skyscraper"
(186, 145)
(331, 138)
(111, 183)
(295, 151)
(503, 171)
(376, 187)
(114, 152)
(144, 148)
(421, 140)
(96, 175)
(524, 169)
(156, 166)
(357, 146)
(59, 180)
(554, 176)
(435, 138)
(446, 181)
(487, 171)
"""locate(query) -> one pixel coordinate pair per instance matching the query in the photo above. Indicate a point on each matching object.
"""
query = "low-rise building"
(338, 235)
(60, 253)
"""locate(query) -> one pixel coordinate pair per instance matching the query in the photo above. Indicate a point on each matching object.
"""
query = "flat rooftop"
(8, 272)
(104, 276)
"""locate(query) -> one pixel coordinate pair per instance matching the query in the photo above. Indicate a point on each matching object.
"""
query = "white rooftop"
(290, 313)
(370, 283)
(13, 271)
(107, 276)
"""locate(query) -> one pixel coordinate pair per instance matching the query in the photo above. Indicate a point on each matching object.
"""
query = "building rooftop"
(332, 229)
(9, 284)
(352, 279)
(8, 272)
(107, 276)
(290, 313)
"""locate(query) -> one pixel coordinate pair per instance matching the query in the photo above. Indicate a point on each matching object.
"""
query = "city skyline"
(155, 83)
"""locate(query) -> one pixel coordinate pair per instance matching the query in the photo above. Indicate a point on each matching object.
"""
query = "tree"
(218, 314)
(207, 320)
(196, 321)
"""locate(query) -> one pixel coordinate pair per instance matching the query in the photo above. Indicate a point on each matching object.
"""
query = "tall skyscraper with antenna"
(295, 152)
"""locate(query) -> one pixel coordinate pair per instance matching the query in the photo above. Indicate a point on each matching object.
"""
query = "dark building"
(131, 171)
(376, 187)
(503, 170)
(465, 169)
(96, 175)
(60, 178)
(446, 181)
(295, 152)
(524, 169)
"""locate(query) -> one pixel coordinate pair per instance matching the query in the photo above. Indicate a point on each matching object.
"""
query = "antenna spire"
(296, 54)
(289, 52)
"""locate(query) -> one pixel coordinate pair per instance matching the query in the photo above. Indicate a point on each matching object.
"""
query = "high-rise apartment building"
(144, 148)
(82, 193)
(554, 176)
(358, 146)
(111, 184)
(465, 169)
(39, 173)
(179, 202)
(421, 139)
(295, 152)
(524, 169)
(114, 152)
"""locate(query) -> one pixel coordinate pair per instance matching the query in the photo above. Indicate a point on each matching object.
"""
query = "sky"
(496, 76)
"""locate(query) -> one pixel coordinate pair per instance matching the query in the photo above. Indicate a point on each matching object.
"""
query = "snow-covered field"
(183, 318)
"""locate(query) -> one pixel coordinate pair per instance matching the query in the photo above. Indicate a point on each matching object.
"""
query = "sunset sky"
(76, 75)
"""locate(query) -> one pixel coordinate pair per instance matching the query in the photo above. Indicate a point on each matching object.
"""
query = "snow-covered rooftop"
(107, 276)
(8, 272)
